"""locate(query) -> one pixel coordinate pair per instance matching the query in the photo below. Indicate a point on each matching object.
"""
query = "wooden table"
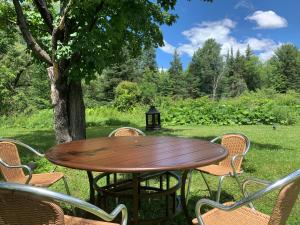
(137, 155)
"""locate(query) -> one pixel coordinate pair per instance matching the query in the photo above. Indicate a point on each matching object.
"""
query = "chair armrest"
(78, 203)
(256, 181)
(271, 187)
(18, 166)
(211, 203)
(215, 139)
(235, 157)
(23, 145)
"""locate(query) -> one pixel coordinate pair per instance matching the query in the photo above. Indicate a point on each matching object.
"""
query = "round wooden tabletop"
(136, 154)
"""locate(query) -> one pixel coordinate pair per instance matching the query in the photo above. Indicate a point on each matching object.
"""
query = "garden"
(73, 72)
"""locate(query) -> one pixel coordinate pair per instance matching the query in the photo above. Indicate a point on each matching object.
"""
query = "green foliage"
(99, 36)
(286, 68)
(176, 77)
(250, 108)
(148, 85)
(147, 61)
(234, 75)
(23, 84)
(128, 94)
(252, 70)
(205, 70)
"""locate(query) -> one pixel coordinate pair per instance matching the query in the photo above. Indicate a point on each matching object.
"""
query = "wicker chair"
(239, 214)
(126, 131)
(237, 145)
(27, 205)
(12, 169)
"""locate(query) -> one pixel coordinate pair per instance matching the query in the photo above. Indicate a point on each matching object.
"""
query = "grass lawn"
(273, 154)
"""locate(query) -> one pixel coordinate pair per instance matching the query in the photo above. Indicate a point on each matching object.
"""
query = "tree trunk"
(76, 111)
(68, 106)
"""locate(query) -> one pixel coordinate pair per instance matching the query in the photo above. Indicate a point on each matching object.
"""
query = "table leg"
(135, 200)
(92, 190)
(183, 197)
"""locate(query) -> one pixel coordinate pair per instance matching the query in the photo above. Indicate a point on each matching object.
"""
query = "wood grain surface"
(136, 154)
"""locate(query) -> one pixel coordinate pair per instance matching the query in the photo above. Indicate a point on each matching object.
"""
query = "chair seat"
(42, 179)
(216, 170)
(241, 216)
(72, 220)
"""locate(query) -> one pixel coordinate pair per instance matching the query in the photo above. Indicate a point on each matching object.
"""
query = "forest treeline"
(24, 86)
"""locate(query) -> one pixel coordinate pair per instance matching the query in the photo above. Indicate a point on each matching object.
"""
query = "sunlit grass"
(273, 154)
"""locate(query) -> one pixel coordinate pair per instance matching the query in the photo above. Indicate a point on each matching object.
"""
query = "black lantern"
(153, 119)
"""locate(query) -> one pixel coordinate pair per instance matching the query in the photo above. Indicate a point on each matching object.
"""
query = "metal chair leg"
(206, 183)
(221, 178)
(68, 192)
(245, 194)
(66, 185)
(189, 186)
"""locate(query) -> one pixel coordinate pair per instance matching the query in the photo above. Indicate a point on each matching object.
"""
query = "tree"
(164, 87)
(286, 65)
(234, 71)
(176, 76)
(22, 88)
(127, 95)
(76, 39)
(206, 68)
(148, 60)
(251, 71)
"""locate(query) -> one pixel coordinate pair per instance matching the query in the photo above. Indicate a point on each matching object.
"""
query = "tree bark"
(59, 97)
(68, 106)
(76, 111)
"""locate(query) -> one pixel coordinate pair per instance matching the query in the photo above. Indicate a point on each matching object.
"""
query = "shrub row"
(248, 109)
(263, 107)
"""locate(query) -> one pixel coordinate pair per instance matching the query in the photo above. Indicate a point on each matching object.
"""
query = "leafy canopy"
(84, 37)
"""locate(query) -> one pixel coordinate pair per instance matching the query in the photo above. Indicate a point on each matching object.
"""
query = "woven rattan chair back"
(126, 131)
(20, 208)
(236, 144)
(9, 153)
(285, 202)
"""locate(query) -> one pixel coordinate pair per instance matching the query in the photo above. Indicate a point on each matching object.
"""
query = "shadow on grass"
(110, 122)
(272, 147)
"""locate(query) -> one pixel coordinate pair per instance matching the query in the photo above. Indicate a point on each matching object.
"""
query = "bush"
(127, 95)
(248, 109)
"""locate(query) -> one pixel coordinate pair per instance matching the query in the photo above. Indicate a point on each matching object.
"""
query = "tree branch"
(98, 9)
(45, 13)
(18, 75)
(31, 42)
(61, 24)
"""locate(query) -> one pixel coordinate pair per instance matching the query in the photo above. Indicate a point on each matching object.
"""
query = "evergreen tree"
(176, 76)
(286, 63)
(148, 60)
(206, 69)
(102, 89)
(235, 68)
(164, 87)
(251, 71)
(193, 77)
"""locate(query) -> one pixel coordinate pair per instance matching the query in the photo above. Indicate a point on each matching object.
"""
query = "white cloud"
(221, 31)
(168, 48)
(267, 20)
(244, 4)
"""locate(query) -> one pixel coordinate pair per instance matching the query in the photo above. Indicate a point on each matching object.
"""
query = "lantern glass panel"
(156, 119)
(149, 119)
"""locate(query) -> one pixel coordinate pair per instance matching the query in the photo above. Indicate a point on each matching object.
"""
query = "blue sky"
(263, 24)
